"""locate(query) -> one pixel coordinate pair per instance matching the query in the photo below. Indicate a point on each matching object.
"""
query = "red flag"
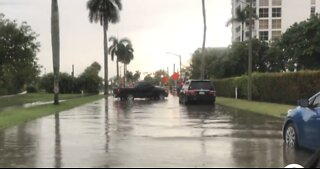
(165, 80)
(175, 76)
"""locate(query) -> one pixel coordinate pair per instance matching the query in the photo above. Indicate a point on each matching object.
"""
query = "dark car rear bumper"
(201, 99)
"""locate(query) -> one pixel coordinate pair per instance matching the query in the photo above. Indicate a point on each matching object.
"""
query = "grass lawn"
(29, 98)
(21, 115)
(271, 109)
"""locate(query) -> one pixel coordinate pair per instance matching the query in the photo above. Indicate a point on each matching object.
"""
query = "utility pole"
(180, 65)
(202, 69)
(72, 74)
(250, 53)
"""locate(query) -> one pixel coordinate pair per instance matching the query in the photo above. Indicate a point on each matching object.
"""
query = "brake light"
(191, 92)
(213, 93)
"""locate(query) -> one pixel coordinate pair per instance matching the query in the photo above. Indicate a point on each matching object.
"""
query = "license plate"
(202, 93)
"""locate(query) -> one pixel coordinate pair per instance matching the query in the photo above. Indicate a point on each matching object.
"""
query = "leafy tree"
(18, 50)
(104, 12)
(89, 81)
(67, 83)
(301, 44)
(136, 76)
(133, 77)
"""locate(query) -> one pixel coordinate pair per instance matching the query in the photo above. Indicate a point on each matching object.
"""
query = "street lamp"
(169, 53)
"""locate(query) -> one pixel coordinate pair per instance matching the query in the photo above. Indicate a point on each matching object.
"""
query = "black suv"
(141, 90)
(201, 91)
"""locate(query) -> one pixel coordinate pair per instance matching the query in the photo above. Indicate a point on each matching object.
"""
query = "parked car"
(197, 91)
(141, 90)
(302, 124)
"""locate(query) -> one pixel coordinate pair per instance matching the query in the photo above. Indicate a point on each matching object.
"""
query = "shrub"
(32, 89)
(273, 87)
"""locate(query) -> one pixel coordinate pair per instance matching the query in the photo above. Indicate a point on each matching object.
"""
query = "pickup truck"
(141, 90)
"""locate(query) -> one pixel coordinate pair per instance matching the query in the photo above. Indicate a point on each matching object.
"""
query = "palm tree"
(120, 50)
(125, 54)
(242, 16)
(104, 12)
(113, 52)
(55, 34)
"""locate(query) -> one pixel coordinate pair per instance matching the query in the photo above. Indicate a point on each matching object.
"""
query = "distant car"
(201, 91)
(302, 125)
(141, 90)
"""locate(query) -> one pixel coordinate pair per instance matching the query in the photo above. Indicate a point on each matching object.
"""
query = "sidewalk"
(7, 96)
(270, 109)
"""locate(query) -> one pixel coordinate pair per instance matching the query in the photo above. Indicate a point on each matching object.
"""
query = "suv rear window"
(197, 85)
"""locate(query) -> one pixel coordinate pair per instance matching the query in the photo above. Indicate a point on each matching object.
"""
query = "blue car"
(302, 125)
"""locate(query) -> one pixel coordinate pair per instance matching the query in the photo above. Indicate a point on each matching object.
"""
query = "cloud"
(12, 2)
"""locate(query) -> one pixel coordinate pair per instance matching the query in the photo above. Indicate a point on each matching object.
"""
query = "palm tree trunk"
(204, 39)
(124, 75)
(242, 40)
(55, 38)
(106, 77)
(118, 78)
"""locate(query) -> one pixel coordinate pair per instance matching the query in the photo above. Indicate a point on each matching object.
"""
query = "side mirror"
(303, 103)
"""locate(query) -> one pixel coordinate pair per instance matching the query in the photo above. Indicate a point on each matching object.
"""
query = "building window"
(264, 2)
(313, 11)
(263, 13)
(276, 35)
(276, 12)
(313, 2)
(276, 24)
(264, 35)
(264, 24)
(276, 2)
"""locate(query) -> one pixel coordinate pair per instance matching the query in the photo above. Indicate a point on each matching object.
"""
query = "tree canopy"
(301, 44)
(18, 50)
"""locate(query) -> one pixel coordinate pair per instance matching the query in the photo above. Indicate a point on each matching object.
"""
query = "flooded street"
(110, 133)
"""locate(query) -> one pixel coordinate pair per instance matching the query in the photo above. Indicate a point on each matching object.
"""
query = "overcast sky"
(155, 27)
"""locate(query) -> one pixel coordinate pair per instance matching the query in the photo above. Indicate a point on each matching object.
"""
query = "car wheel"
(185, 101)
(130, 97)
(161, 96)
(291, 137)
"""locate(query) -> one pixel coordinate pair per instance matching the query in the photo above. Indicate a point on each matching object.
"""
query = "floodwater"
(143, 133)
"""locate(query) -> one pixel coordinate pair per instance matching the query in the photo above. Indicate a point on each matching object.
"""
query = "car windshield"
(201, 85)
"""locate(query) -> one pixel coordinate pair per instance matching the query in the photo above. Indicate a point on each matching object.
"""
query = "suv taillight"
(213, 93)
(191, 92)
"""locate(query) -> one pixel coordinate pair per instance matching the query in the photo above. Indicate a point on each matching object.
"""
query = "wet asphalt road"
(110, 133)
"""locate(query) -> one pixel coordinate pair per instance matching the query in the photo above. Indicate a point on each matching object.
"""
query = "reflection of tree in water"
(17, 147)
(107, 127)
(57, 150)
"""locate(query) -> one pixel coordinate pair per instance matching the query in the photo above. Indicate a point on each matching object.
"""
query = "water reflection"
(57, 150)
(144, 133)
(17, 147)
(107, 127)
(296, 155)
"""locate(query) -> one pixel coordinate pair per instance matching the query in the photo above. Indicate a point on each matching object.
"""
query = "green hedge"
(272, 87)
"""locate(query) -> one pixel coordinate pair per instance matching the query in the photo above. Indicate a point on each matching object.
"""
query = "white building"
(275, 17)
